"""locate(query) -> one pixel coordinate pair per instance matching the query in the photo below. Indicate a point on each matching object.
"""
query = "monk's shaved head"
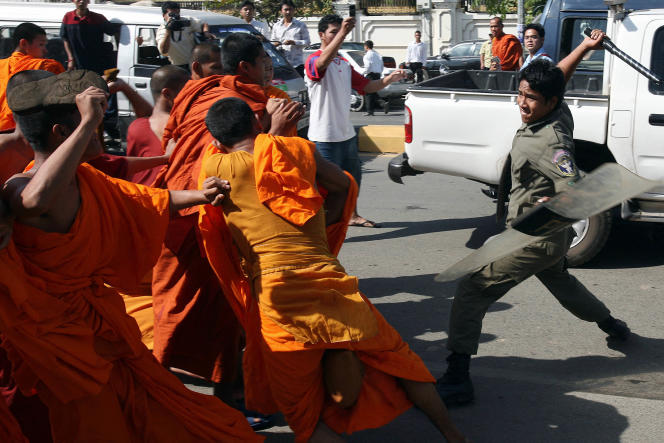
(27, 31)
(206, 52)
(230, 120)
(205, 61)
(168, 77)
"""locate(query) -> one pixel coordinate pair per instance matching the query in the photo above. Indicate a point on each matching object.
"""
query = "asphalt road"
(541, 375)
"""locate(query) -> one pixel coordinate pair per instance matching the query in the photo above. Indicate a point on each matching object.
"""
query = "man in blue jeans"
(330, 79)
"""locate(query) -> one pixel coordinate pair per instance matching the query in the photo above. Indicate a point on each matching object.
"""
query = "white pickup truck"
(463, 123)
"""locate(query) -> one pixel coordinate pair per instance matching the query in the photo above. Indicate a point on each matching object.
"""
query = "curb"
(381, 139)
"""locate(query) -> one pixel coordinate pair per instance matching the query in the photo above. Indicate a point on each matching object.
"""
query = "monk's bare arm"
(568, 64)
(141, 107)
(212, 192)
(138, 164)
(37, 195)
(332, 178)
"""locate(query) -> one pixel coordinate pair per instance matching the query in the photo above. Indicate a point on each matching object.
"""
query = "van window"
(657, 62)
(572, 35)
(282, 69)
(55, 48)
(148, 57)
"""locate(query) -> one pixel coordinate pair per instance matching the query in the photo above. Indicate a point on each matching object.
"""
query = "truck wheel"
(591, 236)
(356, 101)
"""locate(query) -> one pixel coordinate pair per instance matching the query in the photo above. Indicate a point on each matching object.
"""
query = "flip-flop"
(366, 224)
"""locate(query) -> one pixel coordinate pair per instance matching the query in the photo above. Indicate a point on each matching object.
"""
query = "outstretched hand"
(214, 190)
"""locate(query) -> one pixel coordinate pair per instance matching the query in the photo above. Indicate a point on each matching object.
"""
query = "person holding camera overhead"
(176, 37)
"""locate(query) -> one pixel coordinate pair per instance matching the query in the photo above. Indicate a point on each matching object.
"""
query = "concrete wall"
(445, 25)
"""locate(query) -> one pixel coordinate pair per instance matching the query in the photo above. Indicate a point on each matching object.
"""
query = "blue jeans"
(343, 154)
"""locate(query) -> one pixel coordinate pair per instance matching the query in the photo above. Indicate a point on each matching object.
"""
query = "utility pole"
(521, 18)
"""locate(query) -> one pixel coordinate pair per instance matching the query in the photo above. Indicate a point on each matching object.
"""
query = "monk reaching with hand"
(67, 334)
(333, 364)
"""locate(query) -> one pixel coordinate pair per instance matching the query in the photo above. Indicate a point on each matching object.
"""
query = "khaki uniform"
(542, 165)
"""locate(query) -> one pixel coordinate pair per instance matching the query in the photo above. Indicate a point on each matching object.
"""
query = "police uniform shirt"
(542, 160)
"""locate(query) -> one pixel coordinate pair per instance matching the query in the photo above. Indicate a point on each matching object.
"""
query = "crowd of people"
(211, 248)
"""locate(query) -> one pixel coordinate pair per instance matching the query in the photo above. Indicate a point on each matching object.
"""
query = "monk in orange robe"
(30, 43)
(333, 363)
(67, 334)
(506, 47)
(195, 328)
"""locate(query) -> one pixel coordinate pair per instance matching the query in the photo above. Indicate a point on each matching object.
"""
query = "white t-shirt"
(373, 62)
(329, 94)
(261, 27)
(182, 42)
(417, 52)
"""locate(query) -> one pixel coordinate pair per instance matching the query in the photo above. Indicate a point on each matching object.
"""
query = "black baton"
(613, 49)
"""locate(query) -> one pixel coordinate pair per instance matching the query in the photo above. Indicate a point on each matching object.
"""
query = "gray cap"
(55, 90)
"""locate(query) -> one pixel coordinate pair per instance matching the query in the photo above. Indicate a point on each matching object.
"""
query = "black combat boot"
(455, 386)
(614, 328)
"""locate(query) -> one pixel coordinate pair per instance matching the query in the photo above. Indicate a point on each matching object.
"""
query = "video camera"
(175, 23)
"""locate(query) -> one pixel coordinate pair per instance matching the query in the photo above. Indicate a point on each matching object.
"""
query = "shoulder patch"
(564, 162)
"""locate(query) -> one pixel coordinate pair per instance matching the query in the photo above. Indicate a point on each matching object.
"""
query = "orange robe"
(9, 66)
(509, 50)
(194, 328)
(68, 335)
(303, 302)
(274, 92)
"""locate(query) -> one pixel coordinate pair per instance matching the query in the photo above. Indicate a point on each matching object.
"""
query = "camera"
(175, 23)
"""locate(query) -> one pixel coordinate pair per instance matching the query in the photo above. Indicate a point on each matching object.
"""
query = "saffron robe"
(9, 66)
(194, 328)
(303, 301)
(68, 335)
(508, 49)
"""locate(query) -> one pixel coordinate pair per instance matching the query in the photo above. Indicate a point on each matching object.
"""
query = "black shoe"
(455, 392)
(386, 107)
(615, 328)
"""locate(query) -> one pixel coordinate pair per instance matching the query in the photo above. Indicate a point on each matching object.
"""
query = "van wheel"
(356, 101)
(591, 236)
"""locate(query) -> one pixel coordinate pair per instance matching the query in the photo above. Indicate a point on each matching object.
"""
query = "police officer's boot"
(615, 328)
(455, 386)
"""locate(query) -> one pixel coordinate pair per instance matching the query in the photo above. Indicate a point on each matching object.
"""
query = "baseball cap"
(60, 89)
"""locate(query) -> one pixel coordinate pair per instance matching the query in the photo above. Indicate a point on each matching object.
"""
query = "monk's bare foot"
(362, 222)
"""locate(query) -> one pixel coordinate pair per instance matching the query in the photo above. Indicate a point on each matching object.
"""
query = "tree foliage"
(268, 10)
(504, 7)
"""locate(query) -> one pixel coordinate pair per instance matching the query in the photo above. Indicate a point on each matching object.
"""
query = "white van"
(137, 63)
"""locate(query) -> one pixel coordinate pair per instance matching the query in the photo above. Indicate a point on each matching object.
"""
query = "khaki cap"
(55, 90)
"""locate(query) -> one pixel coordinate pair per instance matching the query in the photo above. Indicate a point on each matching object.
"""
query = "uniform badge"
(564, 163)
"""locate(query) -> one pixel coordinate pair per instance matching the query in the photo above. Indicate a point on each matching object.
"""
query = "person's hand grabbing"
(91, 104)
(595, 39)
(273, 104)
(117, 85)
(214, 189)
(347, 25)
(285, 116)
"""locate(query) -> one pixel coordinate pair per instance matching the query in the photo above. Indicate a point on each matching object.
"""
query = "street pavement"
(541, 375)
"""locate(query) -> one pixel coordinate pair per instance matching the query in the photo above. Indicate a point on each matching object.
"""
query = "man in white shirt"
(175, 38)
(330, 79)
(247, 12)
(416, 56)
(291, 36)
(533, 39)
(373, 70)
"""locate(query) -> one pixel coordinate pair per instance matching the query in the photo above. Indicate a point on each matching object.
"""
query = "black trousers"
(373, 97)
(416, 67)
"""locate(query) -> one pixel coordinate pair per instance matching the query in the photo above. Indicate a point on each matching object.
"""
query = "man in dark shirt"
(82, 32)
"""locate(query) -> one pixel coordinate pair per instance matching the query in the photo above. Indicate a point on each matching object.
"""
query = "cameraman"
(176, 37)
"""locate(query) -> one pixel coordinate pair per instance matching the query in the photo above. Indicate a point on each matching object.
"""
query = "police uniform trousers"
(544, 259)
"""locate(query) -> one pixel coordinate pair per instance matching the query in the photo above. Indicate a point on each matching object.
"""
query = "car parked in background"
(388, 62)
(464, 55)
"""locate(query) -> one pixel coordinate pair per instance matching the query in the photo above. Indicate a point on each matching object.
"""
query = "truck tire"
(356, 101)
(592, 234)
